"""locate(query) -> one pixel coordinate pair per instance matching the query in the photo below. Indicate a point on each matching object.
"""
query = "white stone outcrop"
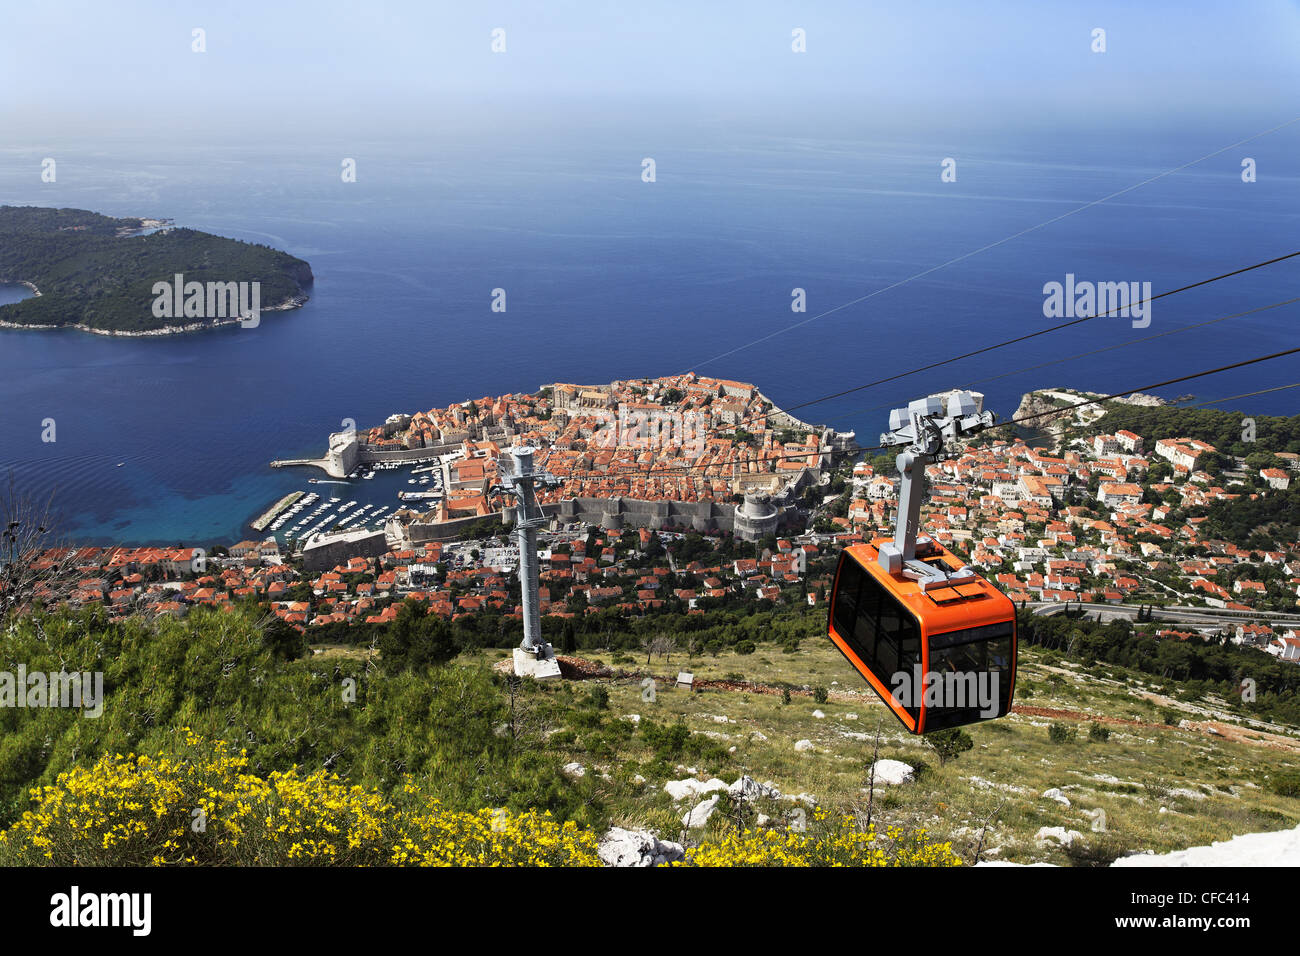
(893, 773)
(626, 848)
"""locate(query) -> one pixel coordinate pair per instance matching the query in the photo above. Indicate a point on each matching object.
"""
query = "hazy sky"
(79, 68)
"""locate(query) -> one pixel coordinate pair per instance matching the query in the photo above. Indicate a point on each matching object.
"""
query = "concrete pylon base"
(543, 668)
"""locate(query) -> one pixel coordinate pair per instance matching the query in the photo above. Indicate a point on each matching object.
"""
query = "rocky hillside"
(1054, 404)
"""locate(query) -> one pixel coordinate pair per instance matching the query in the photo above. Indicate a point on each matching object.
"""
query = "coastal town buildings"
(1080, 524)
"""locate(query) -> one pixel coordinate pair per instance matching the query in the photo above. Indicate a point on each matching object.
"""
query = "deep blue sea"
(609, 277)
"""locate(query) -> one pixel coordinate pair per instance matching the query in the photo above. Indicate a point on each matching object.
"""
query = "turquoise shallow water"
(608, 277)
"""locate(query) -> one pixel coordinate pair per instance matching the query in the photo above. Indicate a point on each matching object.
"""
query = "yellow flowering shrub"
(202, 806)
(205, 808)
(826, 842)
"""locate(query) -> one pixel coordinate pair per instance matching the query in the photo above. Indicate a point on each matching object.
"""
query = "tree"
(948, 744)
(33, 568)
(667, 645)
(654, 549)
(416, 640)
(283, 640)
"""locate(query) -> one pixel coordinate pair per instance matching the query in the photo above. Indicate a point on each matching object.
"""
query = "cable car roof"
(971, 603)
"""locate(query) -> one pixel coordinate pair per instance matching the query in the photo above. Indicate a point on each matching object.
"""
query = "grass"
(1209, 788)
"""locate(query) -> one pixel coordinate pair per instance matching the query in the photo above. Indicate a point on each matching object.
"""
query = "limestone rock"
(625, 848)
(1058, 835)
(1055, 794)
(699, 815)
(691, 788)
(893, 773)
(747, 788)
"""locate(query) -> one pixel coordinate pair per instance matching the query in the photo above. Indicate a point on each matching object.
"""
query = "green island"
(98, 273)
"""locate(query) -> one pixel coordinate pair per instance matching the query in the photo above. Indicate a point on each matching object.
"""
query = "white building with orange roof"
(1276, 478)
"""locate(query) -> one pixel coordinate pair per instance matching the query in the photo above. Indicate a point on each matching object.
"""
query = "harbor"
(269, 515)
(363, 499)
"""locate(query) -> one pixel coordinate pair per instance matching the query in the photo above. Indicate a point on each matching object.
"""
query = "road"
(1202, 616)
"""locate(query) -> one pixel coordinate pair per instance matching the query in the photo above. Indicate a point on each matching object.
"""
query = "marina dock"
(269, 515)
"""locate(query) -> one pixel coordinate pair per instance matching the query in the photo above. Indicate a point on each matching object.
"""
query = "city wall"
(612, 514)
(370, 454)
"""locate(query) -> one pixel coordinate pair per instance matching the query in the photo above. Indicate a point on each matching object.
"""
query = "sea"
(607, 276)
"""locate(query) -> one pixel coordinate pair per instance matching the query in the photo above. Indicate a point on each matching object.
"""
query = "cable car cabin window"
(847, 584)
(890, 624)
(884, 636)
(975, 665)
(909, 646)
(857, 603)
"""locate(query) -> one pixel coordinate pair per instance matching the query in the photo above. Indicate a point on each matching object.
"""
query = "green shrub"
(1060, 733)
(477, 744)
(1285, 783)
(1098, 733)
(785, 695)
(1098, 849)
(948, 744)
(821, 695)
(1157, 791)
(599, 695)
(668, 739)
(746, 647)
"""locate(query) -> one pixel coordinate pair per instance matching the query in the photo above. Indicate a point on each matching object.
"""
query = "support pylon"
(534, 657)
(923, 427)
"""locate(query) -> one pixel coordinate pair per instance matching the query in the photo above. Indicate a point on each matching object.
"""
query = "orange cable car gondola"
(936, 641)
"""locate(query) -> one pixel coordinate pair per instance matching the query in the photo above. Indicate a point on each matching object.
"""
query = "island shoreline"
(293, 302)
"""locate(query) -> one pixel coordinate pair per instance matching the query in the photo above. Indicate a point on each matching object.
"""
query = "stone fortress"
(680, 452)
